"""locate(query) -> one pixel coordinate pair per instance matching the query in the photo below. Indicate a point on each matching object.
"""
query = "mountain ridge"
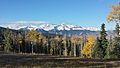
(59, 29)
(48, 27)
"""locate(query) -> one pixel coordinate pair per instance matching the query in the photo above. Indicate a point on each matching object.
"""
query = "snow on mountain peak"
(46, 26)
(62, 27)
(31, 27)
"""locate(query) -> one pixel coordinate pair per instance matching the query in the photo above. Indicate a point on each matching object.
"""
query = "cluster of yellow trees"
(36, 43)
(61, 45)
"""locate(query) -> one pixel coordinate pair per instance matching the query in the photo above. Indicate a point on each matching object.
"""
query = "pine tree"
(97, 49)
(116, 50)
(100, 48)
(104, 41)
(109, 49)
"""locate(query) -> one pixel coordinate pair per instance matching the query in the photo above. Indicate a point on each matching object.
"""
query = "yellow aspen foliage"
(33, 36)
(87, 48)
(114, 14)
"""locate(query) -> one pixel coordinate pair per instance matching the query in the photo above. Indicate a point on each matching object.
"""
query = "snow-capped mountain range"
(48, 27)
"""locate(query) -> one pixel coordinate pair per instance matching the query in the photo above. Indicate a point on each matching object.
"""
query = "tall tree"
(109, 49)
(100, 47)
(32, 37)
(76, 40)
(116, 50)
(104, 41)
(114, 16)
(58, 41)
(97, 51)
(19, 41)
(65, 45)
(6, 41)
(52, 46)
(87, 49)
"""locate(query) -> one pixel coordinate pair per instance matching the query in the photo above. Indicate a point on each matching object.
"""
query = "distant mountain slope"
(62, 29)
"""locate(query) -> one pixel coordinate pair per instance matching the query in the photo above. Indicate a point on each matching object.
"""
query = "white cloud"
(29, 22)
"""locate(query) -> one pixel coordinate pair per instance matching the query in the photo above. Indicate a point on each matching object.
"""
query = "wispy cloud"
(28, 22)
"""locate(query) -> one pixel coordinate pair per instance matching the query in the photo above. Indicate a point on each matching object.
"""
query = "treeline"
(35, 42)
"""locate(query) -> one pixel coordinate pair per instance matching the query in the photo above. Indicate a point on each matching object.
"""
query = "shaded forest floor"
(10, 60)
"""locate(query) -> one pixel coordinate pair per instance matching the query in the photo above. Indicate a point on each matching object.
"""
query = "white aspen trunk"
(65, 50)
(32, 47)
(74, 49)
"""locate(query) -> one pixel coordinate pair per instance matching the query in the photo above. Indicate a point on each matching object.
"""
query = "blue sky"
(77, 12)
